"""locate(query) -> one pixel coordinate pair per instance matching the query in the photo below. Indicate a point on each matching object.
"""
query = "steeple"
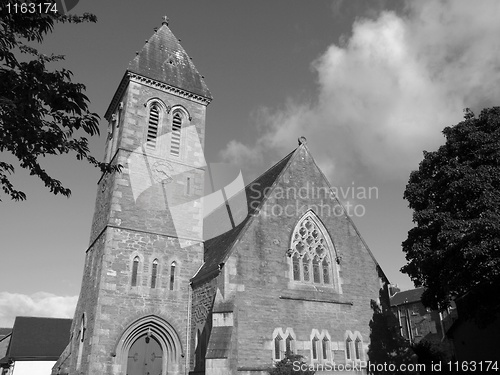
(163, 59)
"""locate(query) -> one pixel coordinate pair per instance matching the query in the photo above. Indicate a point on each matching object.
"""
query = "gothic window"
(348, 348)
(306, 265)
(325, 345)
(135, 269)
(277, 347)
(175, 138)
(357, 348)
(296, 266)
(314, 347)
(154, 273)
(316, 277)
(311, 252)
(172, 275)
(153, 126)
(289, 344)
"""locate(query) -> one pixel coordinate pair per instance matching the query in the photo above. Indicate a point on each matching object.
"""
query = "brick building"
(279, 267)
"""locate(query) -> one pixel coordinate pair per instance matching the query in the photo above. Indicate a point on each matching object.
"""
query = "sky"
(369, 83)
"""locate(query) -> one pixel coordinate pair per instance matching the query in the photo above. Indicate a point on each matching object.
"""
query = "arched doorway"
(145, 357)
(149, 346)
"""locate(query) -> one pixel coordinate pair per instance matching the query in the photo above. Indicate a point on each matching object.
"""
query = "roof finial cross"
(165, 20)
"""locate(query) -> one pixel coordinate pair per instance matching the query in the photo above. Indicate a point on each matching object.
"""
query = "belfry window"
(135, 269)
(175, 138)
(311, 251)
(154, 273)
(153, 126)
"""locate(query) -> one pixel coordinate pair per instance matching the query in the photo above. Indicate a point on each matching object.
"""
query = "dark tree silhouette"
(40, 109)
(454, 248)
(291, 364)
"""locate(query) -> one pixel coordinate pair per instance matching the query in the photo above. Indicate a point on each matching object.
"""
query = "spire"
(163, 59)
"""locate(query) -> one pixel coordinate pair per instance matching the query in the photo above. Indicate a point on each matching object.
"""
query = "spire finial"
(302, 140)
(165, 21)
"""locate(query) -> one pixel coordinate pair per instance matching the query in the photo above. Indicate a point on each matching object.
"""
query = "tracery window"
(311, 252)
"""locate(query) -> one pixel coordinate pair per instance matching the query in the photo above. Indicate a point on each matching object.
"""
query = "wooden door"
(145, 357)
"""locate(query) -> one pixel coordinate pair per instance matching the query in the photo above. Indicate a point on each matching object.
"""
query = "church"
(170, 289)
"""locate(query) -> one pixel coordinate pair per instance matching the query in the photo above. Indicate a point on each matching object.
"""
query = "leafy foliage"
(387, 346)
(455, 195)
(40, 110)
(291, 364)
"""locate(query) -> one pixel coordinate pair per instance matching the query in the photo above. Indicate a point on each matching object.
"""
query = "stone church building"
(278, 267)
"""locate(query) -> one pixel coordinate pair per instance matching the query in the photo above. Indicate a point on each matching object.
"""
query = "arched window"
(135, 269)
(306, 264)
(296, 266)
(348, 349)
(277, 347)
(289, 347)
(153, 126)
(175, 138)
(325, 345)
(311, 252)
(357, 348)
(172, 275)
(316, 277)
(314, 347)
(154, 273)
(326, 271)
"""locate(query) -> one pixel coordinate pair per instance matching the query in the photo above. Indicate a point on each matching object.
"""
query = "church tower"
(146, 243)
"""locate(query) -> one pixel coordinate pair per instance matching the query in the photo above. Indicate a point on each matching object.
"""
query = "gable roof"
(38, 338)
(218, 248)
(407, 296)
(163, 59)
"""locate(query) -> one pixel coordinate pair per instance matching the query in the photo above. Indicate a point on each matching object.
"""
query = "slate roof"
(217, 249)
(164, 59)
(407, 296)
(38, 338)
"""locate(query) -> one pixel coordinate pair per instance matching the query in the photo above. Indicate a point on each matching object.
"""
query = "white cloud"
(387, 91)
(39, 304)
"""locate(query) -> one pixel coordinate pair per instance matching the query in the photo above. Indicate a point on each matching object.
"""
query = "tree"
(454, 249)
(291, 364)
(40, 110)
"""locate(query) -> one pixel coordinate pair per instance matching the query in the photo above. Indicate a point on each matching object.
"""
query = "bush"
(291, 364)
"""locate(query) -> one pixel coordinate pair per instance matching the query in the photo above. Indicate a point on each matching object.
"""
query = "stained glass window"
(326, 272)
(311, 252)
(316, 277)
(296, 267)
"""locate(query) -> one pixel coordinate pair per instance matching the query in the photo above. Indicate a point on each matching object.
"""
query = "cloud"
(39, 304)
(386, 92)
